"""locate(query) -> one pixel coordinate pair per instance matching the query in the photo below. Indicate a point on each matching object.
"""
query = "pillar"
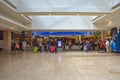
(7, 40)
(79, 38)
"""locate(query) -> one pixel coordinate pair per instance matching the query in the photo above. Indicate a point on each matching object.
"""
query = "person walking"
(107, 44)
(87, 46)
(24, 44)
(70, 45)
(55, 44)
(17, 46)
(40, 46)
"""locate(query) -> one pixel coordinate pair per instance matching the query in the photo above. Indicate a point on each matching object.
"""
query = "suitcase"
(52, 49)
(35, 49)
(101, 51)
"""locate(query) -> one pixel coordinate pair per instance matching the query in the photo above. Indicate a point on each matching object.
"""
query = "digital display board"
(59, 43)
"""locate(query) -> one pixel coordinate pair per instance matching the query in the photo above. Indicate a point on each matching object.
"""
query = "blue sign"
(90, 33)
(33, 33)
(61, 33)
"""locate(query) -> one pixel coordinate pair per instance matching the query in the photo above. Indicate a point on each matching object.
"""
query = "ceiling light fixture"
(11, 27)
(22, 14)
(78, 14)
(105, 15)
(110, 23)
(50, 14)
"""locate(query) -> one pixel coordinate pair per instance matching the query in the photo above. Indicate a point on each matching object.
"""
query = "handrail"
(28, 18)
(117, 5)
(96, 18)
(9, 3)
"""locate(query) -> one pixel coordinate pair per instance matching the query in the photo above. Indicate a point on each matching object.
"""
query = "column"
(7, 40)
(79, 38)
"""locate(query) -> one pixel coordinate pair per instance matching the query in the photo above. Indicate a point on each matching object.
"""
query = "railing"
(28, 18)
(13, 6)
(96, 18)
(9, 3)
(117, 5)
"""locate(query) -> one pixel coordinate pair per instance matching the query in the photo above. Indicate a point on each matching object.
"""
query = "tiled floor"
(61, 66)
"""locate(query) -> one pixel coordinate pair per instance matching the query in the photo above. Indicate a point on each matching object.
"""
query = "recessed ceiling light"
(78, 14)
(50, 14)
(11, 27)
(110, 23)
(104, 14)
(22, 14)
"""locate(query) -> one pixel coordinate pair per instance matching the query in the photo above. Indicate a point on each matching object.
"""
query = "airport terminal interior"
(59, 39)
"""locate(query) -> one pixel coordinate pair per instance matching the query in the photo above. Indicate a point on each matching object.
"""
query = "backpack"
(101, 45)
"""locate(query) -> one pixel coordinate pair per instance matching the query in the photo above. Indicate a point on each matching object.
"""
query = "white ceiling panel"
(64, 5)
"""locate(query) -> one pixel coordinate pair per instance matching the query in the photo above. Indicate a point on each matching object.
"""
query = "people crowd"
(51, 45)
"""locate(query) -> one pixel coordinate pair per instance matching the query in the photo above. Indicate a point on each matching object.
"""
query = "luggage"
(101, 51)
(35, 49)
(52, 49)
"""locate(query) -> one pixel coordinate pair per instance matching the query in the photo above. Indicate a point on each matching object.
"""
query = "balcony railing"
(9, 3)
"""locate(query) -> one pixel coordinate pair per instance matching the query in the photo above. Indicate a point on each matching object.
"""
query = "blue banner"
(61, 33)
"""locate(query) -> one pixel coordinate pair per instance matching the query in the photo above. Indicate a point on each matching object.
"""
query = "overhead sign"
(61, 33)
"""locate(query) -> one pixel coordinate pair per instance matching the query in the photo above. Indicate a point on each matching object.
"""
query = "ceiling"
(19, 19)
(64, 7)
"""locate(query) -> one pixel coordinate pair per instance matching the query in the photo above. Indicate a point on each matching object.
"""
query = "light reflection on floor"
(62, 66)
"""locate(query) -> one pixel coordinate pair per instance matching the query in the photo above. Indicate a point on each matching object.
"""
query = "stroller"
(101, 48)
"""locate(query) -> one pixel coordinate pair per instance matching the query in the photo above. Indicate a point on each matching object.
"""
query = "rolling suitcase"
(52, 49)
(35, 49)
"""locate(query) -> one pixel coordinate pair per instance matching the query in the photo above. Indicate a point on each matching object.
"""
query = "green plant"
(96, 34)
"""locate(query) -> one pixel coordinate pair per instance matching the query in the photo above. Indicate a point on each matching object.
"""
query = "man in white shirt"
(107, 46)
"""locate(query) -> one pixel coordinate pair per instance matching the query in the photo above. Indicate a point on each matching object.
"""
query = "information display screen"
(59, 43)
